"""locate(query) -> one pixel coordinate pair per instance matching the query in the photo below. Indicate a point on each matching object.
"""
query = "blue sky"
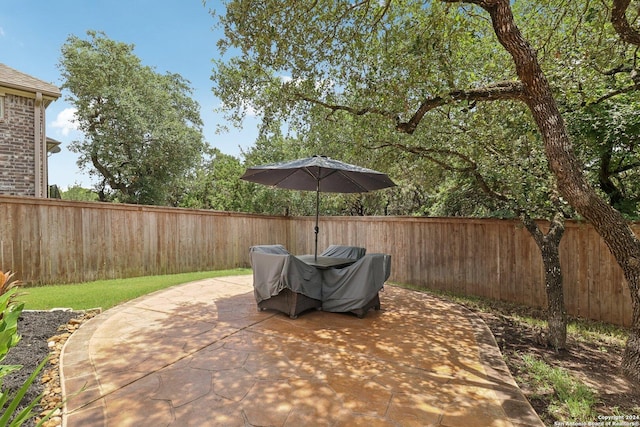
(170, 35)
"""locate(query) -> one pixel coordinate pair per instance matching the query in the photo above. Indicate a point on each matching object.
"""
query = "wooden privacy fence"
(51, 241)
(491, 258)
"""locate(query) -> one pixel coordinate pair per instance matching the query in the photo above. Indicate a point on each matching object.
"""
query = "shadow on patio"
(202, 354)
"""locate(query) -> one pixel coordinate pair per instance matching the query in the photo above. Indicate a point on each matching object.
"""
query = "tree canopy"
(142, 129)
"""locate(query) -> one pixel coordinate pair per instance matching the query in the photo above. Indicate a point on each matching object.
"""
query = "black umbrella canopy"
(318, 173)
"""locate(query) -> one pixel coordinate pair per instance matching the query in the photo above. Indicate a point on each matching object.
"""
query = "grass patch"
(592, 331)
(109, 293)
(569, 399)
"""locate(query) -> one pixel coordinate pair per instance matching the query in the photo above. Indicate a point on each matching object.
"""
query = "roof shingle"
(17, 80)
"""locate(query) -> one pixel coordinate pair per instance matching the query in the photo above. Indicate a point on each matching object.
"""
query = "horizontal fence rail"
(52, 242)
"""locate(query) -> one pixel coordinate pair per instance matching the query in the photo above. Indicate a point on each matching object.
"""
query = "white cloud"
(66, 121)
(1, 32)
(249, 109)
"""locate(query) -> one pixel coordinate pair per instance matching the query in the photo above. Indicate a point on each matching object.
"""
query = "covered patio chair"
(282, 282)
(355, 288)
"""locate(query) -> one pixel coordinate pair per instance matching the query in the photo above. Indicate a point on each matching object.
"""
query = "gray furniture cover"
(355, 288)
(283, 282)
(340, 251)
(269, 249)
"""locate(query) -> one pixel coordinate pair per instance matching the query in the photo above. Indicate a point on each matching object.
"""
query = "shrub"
(10, 311)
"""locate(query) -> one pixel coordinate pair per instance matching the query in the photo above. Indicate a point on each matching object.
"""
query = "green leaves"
(9, 314)
(143, 130)
(9, 402)
(606, 136)
(357, 70)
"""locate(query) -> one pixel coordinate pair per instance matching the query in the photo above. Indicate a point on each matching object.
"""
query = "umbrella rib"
(277, 183)
(319, 177)
(362, 189)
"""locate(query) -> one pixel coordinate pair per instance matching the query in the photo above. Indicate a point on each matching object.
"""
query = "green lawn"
(108, 293)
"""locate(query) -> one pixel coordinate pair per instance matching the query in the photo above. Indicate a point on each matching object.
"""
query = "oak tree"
(142, 129)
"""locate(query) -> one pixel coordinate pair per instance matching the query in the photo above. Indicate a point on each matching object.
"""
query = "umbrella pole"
(316, 229)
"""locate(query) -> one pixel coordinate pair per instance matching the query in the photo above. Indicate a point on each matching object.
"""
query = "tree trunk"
(563, 162)
(549, 246)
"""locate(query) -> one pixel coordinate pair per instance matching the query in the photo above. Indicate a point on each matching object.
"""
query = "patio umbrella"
(319, 174)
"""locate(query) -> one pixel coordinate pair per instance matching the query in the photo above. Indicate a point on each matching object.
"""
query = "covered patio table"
(341, 279)
(324, 262)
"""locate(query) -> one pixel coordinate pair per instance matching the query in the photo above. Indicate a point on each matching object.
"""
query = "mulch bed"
(36, 328)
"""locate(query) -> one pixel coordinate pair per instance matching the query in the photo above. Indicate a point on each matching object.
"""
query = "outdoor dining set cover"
(277, 275)
(276, 269)
(354, 287)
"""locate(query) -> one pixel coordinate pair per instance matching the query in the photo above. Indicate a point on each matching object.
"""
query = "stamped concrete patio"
(200, 354)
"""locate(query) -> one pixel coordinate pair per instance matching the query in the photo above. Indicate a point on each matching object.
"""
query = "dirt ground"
(596, 363)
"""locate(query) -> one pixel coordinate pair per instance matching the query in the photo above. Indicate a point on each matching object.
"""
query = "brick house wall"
(23, 141)
(17, 154)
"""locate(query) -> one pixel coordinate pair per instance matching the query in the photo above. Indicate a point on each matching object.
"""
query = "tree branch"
(471, 169)
(616, 93)
(533, 229)
(553, 236)
(618, 69)
(498, 91)
(557, 229)
(108, 176)
(626, 168)
(620, 23)
(348, 109)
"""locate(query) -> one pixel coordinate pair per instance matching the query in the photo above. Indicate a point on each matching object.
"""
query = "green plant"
(593, 331)
(10, 311)
(7, 282)
(572, 399)
(9, 402)
(9, 337)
